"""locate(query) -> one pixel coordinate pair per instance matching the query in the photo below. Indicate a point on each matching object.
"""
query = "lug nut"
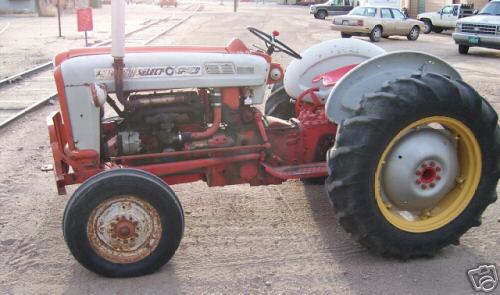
(423, 186)
(438, 168)
(418, 181)
(432, 184)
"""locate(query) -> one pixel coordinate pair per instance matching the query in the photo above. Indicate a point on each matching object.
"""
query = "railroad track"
(30, 89)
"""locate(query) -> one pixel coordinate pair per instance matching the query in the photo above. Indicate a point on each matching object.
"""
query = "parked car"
(377, 22)
(481, 30)
(309, 2)
(445, 18)
(332, 7)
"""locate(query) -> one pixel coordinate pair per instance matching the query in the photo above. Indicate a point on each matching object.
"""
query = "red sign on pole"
(84, 19)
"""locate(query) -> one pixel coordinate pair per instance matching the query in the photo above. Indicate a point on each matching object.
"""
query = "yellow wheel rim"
(456, 200)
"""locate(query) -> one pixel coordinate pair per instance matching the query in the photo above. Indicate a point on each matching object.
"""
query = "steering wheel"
(273, 44)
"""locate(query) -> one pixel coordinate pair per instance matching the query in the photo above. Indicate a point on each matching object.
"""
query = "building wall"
(18, 6)
(435, 5)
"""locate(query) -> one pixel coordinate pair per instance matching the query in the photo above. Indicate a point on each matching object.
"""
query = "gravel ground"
(238, 239)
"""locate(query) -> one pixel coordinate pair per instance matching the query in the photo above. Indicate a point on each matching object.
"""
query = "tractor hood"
(168, 70)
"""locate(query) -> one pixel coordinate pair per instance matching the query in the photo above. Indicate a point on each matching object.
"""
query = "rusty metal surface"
(124, 229)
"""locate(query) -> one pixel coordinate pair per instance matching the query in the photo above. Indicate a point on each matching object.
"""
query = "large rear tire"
(123, 223)
(415, 166)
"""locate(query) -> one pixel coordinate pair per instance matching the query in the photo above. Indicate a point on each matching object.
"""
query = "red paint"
(265, 151)
(331, 78)
(84, 19)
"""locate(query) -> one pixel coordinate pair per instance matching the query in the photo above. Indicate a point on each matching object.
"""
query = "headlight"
(99, 94)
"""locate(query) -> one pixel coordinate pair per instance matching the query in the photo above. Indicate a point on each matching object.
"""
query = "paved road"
(238, 239)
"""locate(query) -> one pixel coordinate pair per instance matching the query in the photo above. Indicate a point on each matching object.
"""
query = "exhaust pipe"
(118, 46)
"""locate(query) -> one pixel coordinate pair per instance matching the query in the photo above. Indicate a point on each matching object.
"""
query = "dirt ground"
(238, 239)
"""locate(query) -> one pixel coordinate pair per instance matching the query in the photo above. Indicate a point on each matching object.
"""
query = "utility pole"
(59, 16)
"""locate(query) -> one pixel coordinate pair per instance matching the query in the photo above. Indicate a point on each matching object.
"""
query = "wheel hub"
(421, 169)
(124, 229)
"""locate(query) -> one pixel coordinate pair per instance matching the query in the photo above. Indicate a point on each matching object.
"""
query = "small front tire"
(123, 223)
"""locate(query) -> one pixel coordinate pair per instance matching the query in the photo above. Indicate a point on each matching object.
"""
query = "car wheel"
(376, 34)
(463, 49)
(414, 33)
(321, 14)
(345, 35)
(427, 26)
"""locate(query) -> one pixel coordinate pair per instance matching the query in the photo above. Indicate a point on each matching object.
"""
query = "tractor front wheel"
(123, 223)
(416, 165)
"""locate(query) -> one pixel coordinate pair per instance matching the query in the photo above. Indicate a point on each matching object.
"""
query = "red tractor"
(412, 151)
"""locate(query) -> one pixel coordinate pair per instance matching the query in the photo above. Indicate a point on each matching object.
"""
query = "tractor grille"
(479, 29)
(219, 68)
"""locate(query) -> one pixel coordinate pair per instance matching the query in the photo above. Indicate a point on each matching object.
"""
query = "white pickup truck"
(481, 30)
(445, 18)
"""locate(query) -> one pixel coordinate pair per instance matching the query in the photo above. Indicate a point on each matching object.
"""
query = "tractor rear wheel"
(278, 104)
(416, 165)
(123, 223)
